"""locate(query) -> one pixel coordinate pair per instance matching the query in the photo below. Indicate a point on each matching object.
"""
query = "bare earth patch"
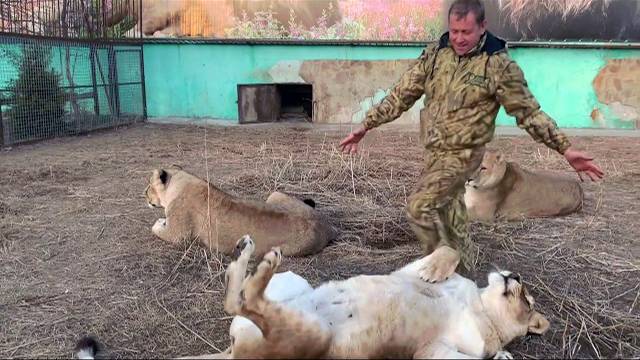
(77, 255)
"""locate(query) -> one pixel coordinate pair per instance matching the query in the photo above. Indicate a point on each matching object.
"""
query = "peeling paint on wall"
(344, 90)
(617, 85)
(286, 72)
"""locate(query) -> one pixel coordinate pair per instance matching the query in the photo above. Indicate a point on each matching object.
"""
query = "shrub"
(37, 101)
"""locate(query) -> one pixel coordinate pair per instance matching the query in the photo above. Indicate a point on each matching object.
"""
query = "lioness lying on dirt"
(503, 190)
(394, 315)
(369, 316)
(218, 219)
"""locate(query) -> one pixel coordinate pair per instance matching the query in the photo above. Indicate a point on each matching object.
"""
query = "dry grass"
(523, 12)
(77, 255)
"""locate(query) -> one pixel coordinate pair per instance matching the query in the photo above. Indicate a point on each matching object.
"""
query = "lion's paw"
(273, 258)
(244, 245)
(160, 225)
(503, 355)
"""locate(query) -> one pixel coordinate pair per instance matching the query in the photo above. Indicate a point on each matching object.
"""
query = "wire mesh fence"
(62, 73)
(72, 18)
(51, 88)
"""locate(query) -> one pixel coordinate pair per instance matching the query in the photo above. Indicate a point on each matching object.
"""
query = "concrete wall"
(201, 80)
(584, 87)
(580, 88)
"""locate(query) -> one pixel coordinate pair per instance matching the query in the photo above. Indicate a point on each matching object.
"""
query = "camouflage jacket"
(463, 95)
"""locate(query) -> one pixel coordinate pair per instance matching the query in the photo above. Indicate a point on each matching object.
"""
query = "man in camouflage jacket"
(466, 77)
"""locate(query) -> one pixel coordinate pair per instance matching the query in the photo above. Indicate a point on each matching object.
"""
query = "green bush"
(37, 100)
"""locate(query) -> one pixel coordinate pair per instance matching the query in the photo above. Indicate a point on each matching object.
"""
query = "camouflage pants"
(436, 210)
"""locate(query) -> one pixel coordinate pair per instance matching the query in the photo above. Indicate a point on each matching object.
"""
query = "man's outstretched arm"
(402, 96)
(518, 101)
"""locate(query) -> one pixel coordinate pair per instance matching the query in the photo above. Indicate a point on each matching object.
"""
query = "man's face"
(465, 32)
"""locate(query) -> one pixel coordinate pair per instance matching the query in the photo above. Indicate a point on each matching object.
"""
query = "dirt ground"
(77, 255)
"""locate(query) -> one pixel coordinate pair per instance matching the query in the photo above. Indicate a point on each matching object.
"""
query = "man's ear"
(500, 158)
(483, 26)
(538, 324)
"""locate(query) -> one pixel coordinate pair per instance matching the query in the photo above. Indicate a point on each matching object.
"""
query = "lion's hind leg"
(236, 273)
(252, 294)
(286, 332)
(292, 204)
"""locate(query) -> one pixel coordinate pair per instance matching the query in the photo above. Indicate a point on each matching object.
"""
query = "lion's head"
(490, 172)
(155, 191)
(510, 307)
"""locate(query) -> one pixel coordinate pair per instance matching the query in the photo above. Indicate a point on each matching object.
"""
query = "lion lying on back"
(503, 190)
(218, 219)
(393, 315)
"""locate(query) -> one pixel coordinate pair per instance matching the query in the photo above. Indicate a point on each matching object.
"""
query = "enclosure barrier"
(63, 70)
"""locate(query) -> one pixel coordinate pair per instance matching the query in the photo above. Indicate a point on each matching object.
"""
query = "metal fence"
(62, 71)
(86, 19)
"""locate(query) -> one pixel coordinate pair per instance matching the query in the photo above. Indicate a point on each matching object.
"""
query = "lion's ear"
(538, 324)
(162, 175)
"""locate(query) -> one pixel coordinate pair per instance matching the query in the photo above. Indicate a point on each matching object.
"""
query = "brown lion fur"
(217, 219)
(500, 189)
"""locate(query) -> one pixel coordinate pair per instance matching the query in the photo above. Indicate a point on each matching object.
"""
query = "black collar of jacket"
(492, 44)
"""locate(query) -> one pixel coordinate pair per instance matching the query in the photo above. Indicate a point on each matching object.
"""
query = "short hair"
(463, 7)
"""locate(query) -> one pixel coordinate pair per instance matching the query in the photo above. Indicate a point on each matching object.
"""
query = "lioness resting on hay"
(398, 315)
(218, 219)
(500, 189)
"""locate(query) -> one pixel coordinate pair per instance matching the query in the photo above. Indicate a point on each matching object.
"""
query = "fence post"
(142, 76)
(1, 125)
(92, 58)
(113, 79)
(104, 19)
(143, 83)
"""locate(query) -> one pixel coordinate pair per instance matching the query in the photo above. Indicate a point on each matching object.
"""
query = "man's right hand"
(350, 144)
(583, 163)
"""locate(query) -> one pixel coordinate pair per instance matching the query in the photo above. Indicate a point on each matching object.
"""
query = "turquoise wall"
(561, 80)
(200, 80)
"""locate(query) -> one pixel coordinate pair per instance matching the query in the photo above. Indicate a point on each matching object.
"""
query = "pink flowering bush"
(406, 20)
(263, 26)
(383, 20)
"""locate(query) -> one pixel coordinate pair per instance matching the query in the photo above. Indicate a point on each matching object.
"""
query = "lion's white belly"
(286, 285)
(365, 308)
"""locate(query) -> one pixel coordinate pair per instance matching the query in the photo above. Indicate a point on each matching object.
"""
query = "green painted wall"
(200, 80)
(561, 80)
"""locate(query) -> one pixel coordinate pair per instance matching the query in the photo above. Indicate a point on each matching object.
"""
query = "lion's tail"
(87, 348)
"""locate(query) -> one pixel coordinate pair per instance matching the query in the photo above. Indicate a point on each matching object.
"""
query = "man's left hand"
(583, 163)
